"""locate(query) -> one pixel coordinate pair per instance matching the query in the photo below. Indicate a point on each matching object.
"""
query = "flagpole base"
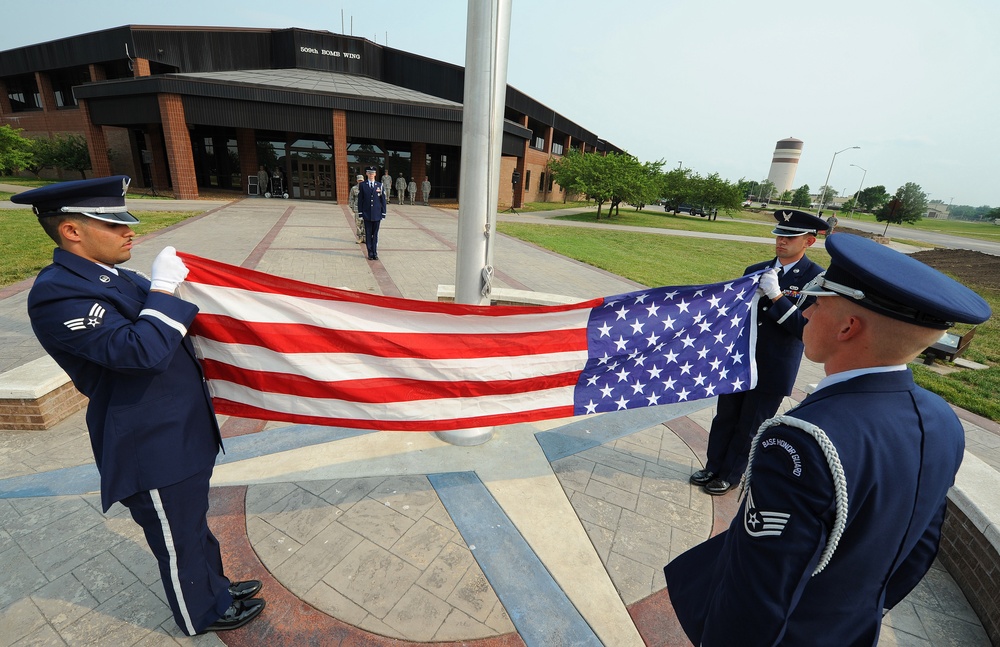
(466, 437)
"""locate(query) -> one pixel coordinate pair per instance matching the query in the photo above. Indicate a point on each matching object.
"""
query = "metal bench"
(948, 347)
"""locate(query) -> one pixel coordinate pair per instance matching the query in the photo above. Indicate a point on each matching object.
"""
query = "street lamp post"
(851, 215)
(822, 197)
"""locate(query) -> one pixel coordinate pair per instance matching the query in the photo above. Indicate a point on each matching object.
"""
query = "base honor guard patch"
(762, 523)
(93, 319)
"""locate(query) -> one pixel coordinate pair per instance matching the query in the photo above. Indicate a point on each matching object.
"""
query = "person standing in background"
(372, 204)
(400, 188)
(411, 188)
(387, 184)
(352, 204)
(425, 191)
(262, 179)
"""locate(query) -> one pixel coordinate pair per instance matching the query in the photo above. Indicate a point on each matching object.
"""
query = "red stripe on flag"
(302, 338)
(230, 408)
(380, 390)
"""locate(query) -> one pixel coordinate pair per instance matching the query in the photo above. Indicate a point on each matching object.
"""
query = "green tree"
(674, 185)
(15, 151)
(715, 193)
(872, 198)
(70, 152)
(583, 173)
(44, 155)
(826, 195)
(801, 196)
(646, 188)
(908, 205)
(785, 197)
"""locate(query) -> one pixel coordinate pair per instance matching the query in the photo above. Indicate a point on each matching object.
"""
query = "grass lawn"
(652, 260)
(25, 249)
(665, 220)
(528, 207)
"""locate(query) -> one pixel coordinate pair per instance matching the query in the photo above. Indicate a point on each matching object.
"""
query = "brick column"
(340, 170)
(97, 72)
(5, 107)
(418, 162)
(97, 144)
(246, 147)
(45, 90)
(159, 176)
(140, 67)
(177, 142)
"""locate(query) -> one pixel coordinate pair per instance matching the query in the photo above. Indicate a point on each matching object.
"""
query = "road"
(935, 238)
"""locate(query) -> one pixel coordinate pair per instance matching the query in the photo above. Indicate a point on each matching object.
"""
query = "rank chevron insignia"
(93, 319)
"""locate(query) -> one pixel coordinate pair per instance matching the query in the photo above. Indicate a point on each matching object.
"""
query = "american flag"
(278, 349)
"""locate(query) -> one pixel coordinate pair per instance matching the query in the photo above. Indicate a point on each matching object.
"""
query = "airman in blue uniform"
(844, 496)
(372, 205)
(778, 354)
(122, 339)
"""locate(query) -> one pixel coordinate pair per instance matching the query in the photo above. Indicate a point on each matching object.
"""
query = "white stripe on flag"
(348, 366)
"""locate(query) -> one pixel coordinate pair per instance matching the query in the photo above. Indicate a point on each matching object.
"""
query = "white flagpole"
(486, 48)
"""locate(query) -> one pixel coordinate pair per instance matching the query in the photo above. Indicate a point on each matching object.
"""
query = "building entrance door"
(313, 180)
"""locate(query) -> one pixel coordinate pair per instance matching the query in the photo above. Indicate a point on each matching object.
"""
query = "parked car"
(692, 209)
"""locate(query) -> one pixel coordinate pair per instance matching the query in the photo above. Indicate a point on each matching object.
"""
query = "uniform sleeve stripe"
(787, 314)
(156, 314)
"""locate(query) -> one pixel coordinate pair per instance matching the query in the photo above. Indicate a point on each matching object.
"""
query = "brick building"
(187, 108)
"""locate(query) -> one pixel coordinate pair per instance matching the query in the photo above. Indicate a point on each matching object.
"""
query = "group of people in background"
(368, 199)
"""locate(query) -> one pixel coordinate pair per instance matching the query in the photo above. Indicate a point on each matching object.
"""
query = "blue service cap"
(101, 198)
(792, 222)
(895, 285)
(371, 169)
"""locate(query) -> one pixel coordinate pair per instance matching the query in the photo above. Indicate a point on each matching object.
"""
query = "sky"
(711, 85)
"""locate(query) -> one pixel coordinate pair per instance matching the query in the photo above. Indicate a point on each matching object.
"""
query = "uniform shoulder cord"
(836, 470)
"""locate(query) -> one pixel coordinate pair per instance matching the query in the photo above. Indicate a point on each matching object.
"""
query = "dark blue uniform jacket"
(900, 447)
(150, 415)
(779, 328)
(371, 201)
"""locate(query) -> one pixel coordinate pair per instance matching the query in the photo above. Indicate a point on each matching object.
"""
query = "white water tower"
(784, 164)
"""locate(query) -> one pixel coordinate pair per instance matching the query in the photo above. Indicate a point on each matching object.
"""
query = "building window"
(538, 143)
(527, 179)
(541, 181)
(22, 90)
(557, 149)
(63, 82)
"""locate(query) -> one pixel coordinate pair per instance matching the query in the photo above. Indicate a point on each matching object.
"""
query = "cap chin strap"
(822, 287)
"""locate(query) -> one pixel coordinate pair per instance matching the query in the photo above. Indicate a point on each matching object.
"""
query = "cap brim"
(118, 217)
(781, 231)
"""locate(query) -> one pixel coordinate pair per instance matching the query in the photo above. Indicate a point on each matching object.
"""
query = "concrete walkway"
(551, 534)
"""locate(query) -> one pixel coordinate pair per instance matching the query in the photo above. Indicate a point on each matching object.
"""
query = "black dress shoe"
(375, 257)
(238, 614)
(244, 590)
(717, 486)
(701, 477)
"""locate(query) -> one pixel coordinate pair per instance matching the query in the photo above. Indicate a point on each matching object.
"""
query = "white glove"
(168, 271)
(769, 284)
